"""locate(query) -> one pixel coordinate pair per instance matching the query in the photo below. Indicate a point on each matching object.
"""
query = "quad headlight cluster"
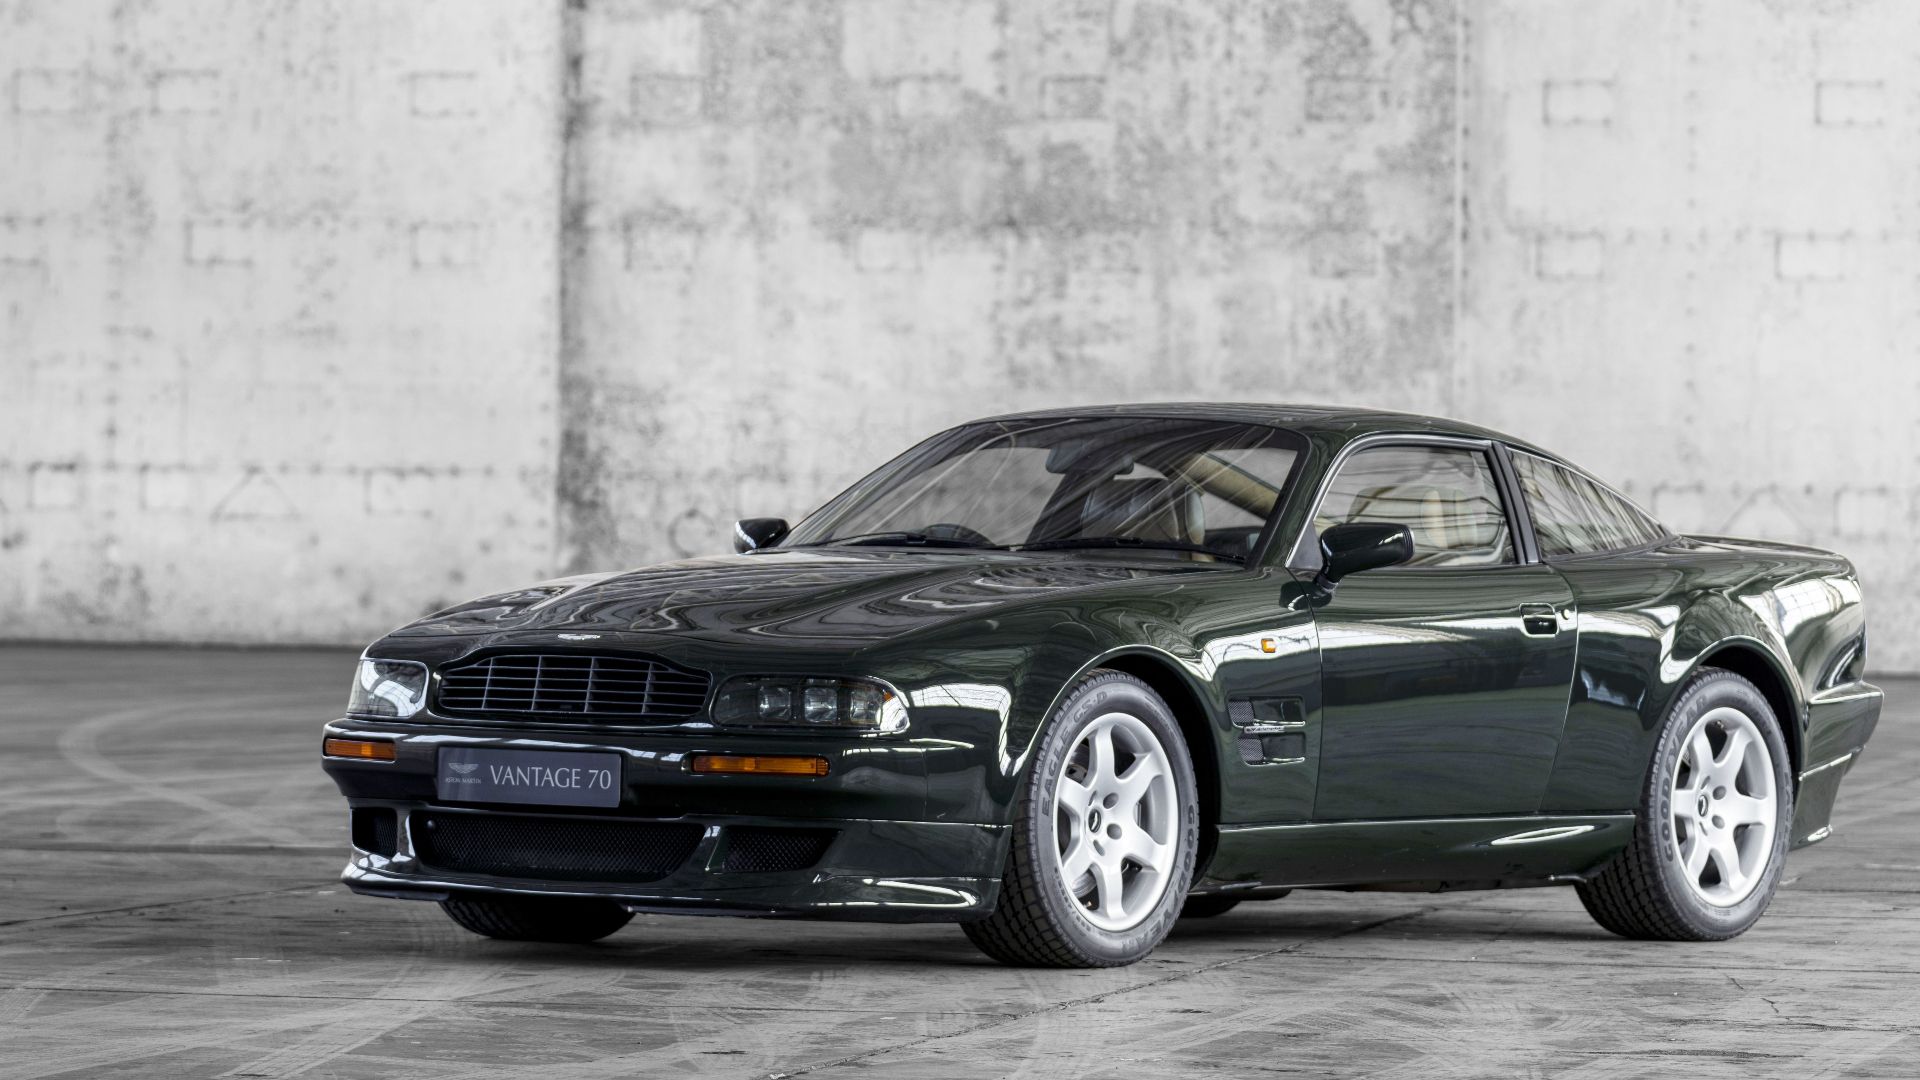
(806, 701)
(395, 689)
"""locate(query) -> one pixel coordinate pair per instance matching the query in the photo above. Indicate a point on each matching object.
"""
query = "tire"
(537, 919)
(1040, 921)
(1207, 906)
(1649, 891)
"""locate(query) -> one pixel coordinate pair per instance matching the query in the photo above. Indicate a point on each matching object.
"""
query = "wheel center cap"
(1703, 805)
(1093, 820)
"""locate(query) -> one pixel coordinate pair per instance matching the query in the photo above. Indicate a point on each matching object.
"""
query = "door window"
(1446, 496)
(1573, 515)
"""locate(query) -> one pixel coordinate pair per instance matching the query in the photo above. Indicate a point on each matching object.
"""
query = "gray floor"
(169, 908)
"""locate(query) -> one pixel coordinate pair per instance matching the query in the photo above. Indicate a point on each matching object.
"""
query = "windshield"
(1203, 488)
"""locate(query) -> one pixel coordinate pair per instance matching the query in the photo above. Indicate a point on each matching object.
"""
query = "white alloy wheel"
(1116, 822)
(1725, 810)
(1104, 833)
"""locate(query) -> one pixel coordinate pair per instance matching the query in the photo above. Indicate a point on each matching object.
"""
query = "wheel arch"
(1164, 677)
(1752, 662)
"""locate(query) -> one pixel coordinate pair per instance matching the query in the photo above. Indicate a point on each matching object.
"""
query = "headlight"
(807, 702)
(389, 688)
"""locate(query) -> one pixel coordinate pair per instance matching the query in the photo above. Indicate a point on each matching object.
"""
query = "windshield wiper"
(908, 537)
(1123, 542)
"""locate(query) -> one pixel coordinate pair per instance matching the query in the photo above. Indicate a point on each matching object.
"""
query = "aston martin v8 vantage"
(1064, 677)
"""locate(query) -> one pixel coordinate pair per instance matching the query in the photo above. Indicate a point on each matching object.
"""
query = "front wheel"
(1104, 834)
(1711, 838)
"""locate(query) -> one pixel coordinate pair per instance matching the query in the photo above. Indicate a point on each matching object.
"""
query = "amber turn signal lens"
(761, 764)
(364, 749)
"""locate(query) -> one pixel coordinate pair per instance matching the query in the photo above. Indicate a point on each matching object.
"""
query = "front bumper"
(876, 871)
(878, 858)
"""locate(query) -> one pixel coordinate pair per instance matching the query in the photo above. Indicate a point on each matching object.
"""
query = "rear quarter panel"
(1650, 620)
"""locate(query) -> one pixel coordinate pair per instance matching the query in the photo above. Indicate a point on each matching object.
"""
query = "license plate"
(542, 777)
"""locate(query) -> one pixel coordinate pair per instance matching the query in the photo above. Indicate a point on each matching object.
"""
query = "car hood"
(801, 597)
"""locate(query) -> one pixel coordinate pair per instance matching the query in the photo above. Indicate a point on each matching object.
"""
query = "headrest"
(1420, 507)
(1148, 507)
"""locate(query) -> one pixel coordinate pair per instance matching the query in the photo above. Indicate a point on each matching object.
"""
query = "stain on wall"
(312, 320)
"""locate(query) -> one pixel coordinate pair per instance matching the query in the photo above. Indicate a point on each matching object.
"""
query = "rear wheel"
(560, 919)
(1104, 834)
(1711, 838)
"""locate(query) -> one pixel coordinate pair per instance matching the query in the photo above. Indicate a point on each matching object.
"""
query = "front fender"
(1018, 665)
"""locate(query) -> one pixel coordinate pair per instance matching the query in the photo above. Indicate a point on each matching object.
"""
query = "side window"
(1446, 496)
(1572, 515)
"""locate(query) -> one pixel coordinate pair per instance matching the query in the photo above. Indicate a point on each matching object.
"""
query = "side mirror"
(752, 534)
(1351, 548)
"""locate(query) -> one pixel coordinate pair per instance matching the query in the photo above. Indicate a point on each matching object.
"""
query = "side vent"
(1272, 731)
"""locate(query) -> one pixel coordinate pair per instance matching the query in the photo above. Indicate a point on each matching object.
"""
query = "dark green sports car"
(1066, 676)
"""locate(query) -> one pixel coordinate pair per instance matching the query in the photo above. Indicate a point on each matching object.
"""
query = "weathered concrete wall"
(277, 313)
(813, 232)
(1693, 236)
(312, 318)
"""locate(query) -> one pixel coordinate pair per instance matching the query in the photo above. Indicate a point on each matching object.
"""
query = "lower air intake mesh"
(754, 849)
(553, 849)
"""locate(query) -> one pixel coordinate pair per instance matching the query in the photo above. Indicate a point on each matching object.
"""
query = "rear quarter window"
(1573, 515)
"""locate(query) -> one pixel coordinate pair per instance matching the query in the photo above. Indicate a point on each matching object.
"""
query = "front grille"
(552, 849)
(754, 848)
(572, 684)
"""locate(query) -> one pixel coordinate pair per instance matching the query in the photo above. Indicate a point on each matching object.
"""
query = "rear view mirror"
(752, 534)
(1351, 548)
(1088, 457)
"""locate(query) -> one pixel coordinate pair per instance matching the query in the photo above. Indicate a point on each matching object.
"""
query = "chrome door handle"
(1540, 620)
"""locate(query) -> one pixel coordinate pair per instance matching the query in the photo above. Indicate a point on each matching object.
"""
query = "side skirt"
(1478, 852)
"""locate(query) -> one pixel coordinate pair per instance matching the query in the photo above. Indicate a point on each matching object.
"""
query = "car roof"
(1349, 421)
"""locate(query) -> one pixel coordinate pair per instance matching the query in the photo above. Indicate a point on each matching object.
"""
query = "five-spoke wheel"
(1724, 808)
(1710, 840)
(1105, 830)
(1115, 816)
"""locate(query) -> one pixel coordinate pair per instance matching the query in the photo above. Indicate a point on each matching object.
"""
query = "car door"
(1629, 593)
(1444, 682)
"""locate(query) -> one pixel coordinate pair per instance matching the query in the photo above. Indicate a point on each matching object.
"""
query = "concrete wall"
(278, 313)
(814, 232)
(1692, 242)
(315, 317)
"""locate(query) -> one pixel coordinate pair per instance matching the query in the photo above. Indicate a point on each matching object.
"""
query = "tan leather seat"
(1422, 508)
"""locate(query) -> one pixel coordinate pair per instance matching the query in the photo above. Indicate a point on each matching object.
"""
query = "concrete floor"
(170, 908)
